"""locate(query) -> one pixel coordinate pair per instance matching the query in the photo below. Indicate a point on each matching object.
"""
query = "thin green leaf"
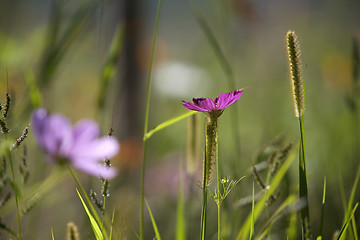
(351, 201)
(153, 222)
(88, 201)
(52, 234)
(292, 229)
(168, 123)
(94, 225)
(260, 205)
(343, 229)
(252, 214)
(343, 196)
(112, 224)
(354, 229)
(354, 190)
(322, 210)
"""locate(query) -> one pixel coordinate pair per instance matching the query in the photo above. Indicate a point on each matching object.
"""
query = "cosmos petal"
(38, 119)
(105, 147)
(78, 146)
(96, 169)
(207, 104)
(86, 131)
(194, 107)
(221, 102)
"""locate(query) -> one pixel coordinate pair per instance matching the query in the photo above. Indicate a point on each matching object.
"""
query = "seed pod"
(296, 79)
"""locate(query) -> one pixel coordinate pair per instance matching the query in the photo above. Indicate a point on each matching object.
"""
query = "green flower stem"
(142, 192)
(219, 220)
(103, 213)
(209, 160)
(219, 200)
(203, 212)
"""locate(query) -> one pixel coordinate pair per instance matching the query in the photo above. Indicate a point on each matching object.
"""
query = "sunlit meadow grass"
(253, 169)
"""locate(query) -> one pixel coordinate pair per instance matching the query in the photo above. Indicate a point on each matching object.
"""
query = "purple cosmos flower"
(218, 104)
(79, 146)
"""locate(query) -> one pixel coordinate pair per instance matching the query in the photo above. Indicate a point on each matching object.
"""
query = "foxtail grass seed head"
(7, 105)
(296, 78)
(72, 232)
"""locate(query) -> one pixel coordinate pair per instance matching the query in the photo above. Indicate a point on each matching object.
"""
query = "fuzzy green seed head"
(296, 79)
(72, 232)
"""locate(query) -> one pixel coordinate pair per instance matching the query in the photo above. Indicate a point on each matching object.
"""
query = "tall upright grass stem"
(298, 93)
(303, 182)
(16, 192)
(146, 122)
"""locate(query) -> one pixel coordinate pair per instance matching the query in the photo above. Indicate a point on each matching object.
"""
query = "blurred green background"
(60, 49)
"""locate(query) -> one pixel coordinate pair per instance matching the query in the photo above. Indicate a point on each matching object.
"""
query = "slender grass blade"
(167, 124)
(156, 230)
(94, 225)
(343, 229)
